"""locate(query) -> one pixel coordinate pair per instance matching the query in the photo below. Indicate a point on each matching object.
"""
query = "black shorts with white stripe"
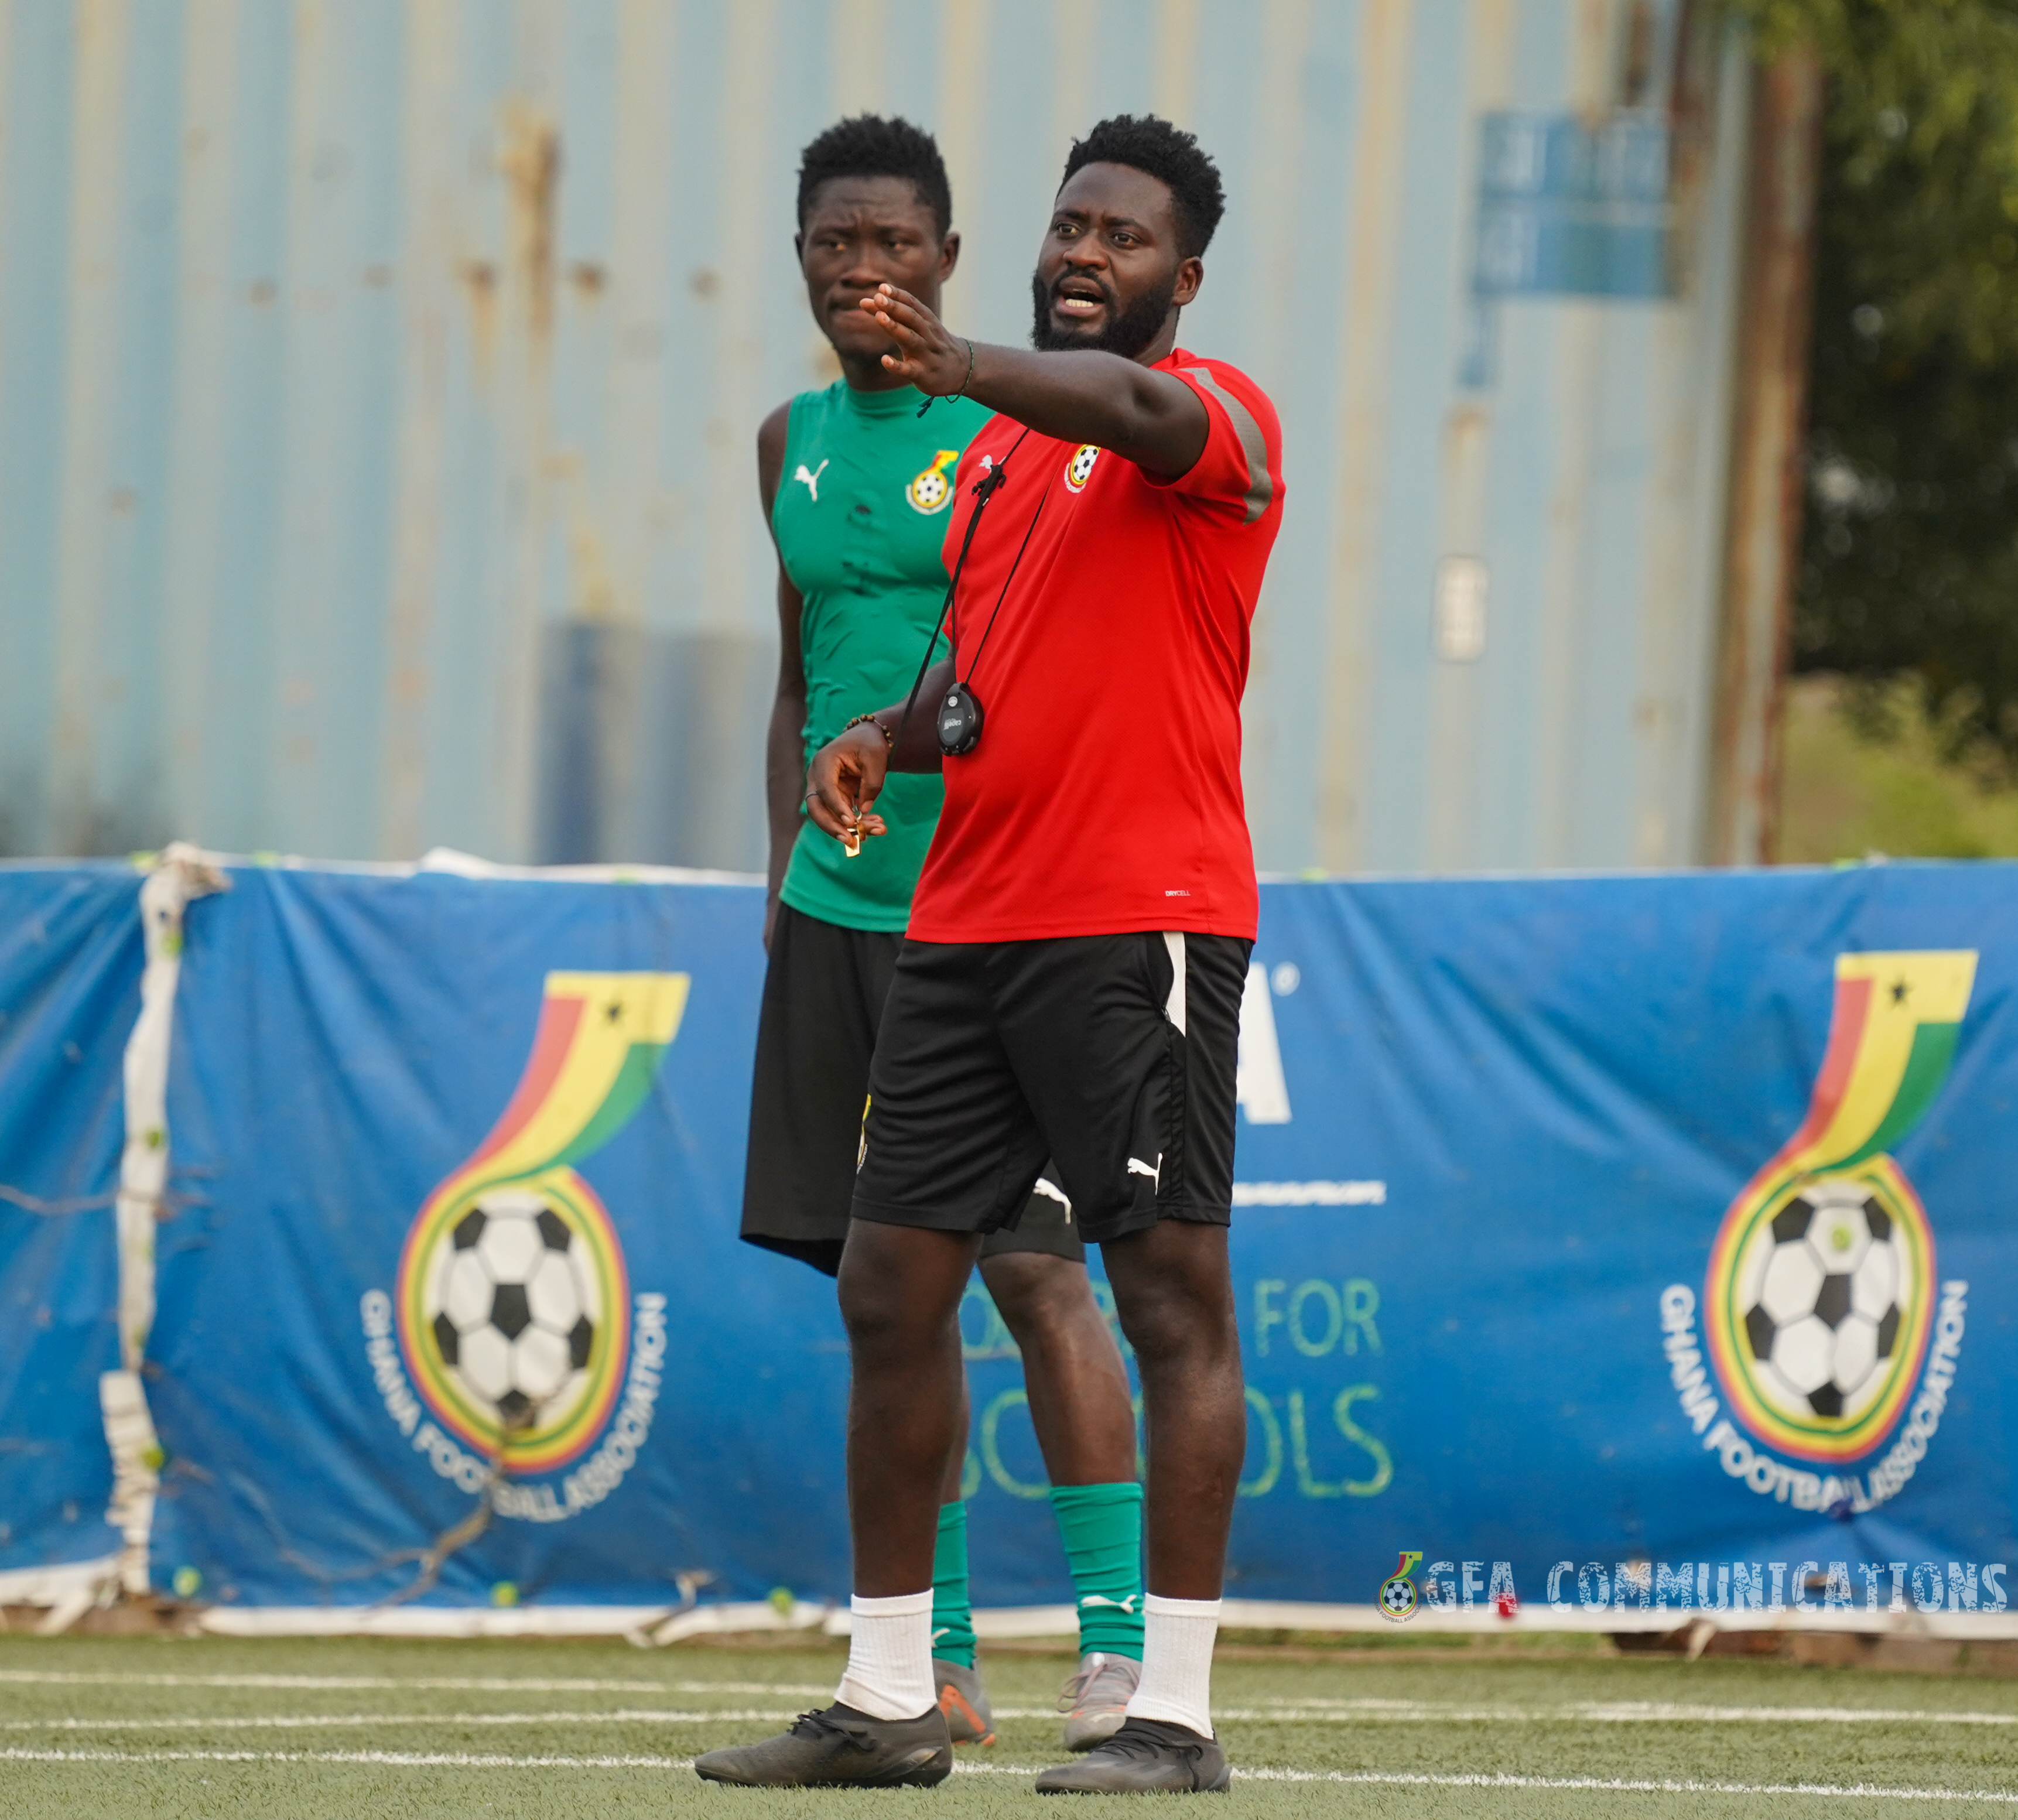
(823, 995)
(1114, 1055)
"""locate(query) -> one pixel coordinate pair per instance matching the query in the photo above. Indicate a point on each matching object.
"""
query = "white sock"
(1177, 1662)
(890, 1657)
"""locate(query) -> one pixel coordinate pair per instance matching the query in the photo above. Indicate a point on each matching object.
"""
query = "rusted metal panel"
(379, 381)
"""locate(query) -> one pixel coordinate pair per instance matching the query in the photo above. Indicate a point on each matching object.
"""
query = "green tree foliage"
(1909, 557)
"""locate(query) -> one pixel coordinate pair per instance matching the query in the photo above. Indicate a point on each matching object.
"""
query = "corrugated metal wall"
(379, 381)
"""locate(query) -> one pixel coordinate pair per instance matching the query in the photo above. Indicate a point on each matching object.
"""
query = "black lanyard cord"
(974, 664)
(983, 488)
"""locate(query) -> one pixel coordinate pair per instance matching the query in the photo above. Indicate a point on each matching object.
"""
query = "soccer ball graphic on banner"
(1820, 1291)
(513, 1310)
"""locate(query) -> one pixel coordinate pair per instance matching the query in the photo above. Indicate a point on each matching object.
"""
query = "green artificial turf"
(207, 1726)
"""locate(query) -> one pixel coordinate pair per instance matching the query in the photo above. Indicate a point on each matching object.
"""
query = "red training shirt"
(1105, 796)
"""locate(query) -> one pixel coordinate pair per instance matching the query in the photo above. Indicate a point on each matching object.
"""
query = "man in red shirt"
(1078, 941)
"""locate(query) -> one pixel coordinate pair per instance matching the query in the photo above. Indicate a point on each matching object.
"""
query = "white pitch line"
(1630, 1711)
(1599, 1785)
(380, 1684)
(1622, 1785)
(309, 1721)
(1327, 1713)
(398, 1759)
(1606, 1711)
(1596, 1712)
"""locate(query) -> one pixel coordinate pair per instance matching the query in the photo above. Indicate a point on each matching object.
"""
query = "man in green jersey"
(856, 481)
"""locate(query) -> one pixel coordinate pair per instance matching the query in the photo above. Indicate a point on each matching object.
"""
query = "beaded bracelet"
(968, 380)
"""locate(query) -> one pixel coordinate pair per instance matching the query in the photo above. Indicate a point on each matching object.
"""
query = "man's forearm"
(918, 748)
(1079, 395)
(785, 782)
(1142, 415)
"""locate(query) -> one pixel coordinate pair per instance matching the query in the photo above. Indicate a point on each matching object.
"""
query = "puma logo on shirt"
(812, 479)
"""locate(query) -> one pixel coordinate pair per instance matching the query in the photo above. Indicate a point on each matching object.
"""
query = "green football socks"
(952, 1611)
(1102, 1528)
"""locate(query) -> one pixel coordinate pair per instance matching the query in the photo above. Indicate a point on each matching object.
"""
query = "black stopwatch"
(960, 719)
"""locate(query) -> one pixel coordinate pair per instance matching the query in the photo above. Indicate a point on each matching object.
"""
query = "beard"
(1127, 332)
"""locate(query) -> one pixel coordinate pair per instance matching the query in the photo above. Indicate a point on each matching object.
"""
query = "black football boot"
(838, 1749)
(1145, 1756)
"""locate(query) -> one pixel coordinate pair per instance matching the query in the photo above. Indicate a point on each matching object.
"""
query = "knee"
(1179, 1321)
(895, 1301)
(879, 1317)
(1038, 1297)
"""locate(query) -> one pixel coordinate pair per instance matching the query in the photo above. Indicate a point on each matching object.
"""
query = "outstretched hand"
(845, 778)
(928, 356)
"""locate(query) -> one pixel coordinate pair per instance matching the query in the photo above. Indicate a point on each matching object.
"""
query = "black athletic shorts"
(1112, 1054)
(823, 997)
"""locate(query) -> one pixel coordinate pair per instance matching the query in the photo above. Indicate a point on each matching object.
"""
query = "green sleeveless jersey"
(859, 516)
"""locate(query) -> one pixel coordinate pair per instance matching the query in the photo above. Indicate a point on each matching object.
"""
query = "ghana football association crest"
(513, 1324)
(1078, 468)
(930, 490)
(1397, 1600)
(1824, 1323)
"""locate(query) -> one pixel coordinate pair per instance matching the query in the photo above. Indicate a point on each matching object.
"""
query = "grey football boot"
(969, 1718)
(1095, 1699)
(839, 1748)
(1145, 1756)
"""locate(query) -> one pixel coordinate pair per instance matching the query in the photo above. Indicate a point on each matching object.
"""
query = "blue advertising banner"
(1627, 1227)
(1605, 1242)
(478, 1152)
(69, 983)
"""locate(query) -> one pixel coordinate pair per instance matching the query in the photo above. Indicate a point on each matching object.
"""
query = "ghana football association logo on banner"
(1397, 1600)
(1825, 1325)
(513, 1345)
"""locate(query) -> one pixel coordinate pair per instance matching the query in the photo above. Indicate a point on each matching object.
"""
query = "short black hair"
(869, 145)
(1172, 158)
